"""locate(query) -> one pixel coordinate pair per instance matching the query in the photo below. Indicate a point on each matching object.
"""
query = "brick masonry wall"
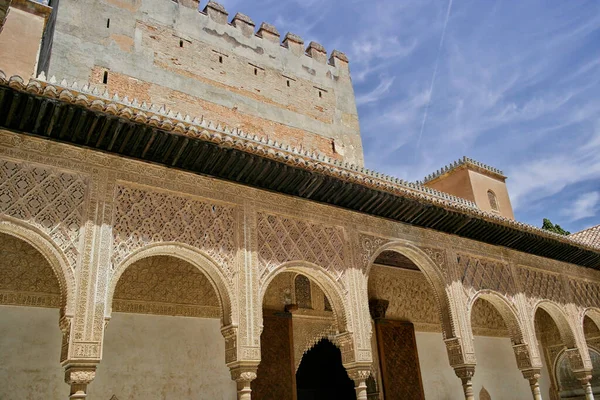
(197, 63)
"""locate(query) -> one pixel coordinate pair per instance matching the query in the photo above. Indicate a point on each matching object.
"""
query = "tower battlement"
(203, 62)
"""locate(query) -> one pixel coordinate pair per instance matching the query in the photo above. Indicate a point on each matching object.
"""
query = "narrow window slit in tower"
(320, 94)
(108, 23)
(180, 43)
(288, 83)
(221, 59)
(255, 71)
(105, 77)
(333, 146)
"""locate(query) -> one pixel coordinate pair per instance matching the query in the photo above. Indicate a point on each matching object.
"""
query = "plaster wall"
(166, 53)
(162, 357)
(30, 342)
(456, 182)
(472, 185)
(496, 369)
(545, 381)
(481, 184)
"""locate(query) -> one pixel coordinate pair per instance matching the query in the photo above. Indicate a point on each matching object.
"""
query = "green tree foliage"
(549, 226)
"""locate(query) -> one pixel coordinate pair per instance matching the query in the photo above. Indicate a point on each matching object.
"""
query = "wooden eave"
(66, 115)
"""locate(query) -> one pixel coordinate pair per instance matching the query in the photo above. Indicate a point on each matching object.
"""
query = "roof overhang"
(83, 118)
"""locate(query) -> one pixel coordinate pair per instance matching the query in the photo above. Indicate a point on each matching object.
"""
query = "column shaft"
(589, 394)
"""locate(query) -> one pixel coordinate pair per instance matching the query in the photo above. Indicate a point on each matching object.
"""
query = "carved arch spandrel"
(206, 265)
(585, 293)
(283, 239)
(480, 273)
(52, 253)
(51, 199)
(143, 216)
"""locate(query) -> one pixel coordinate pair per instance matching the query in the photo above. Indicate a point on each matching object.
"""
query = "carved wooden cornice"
(84, 117)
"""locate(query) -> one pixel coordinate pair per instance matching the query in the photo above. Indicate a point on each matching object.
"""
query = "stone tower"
(197, 61)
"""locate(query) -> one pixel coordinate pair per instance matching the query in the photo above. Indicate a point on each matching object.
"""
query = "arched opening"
(496, 329)
(493, 200)
(297, 313)
(164, 336)
(568, 385)
(554, 336)
(321, 375)
(407, 332)
(30, 338)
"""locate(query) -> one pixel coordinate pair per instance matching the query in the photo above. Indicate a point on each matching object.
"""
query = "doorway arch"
(321, 375)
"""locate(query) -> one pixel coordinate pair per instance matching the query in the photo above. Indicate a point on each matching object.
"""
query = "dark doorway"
(321, 375)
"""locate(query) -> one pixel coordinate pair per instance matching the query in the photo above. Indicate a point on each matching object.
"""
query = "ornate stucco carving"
(48, 198)
(585, 293)
(168, 286)
(203, 214)
(411, 299)
(308, 330)
(26, 278)
(481, 273)
(369, 245)
(541, 285)
(282, 239)
(143, 216)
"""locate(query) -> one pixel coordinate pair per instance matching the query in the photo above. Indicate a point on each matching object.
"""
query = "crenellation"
(199, 63)
(317, 52)
(294, 43)
(216, 12)
(268, 32)
(244, 23)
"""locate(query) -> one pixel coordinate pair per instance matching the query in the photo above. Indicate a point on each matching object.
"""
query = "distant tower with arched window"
(474, 181)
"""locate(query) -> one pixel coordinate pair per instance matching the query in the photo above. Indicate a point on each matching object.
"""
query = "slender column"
(79, 377)
(360, 380)
(244, 378)
(465, 373)
(533, 376)
(585, 377)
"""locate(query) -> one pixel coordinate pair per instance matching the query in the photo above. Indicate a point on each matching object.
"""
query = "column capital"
(243, 375)
(583, 376)
(360, 375)
(79, 377)
(242, 372)
(80, 374)
(378, 308)
(465, 371)
(357, 374)
(532, 374)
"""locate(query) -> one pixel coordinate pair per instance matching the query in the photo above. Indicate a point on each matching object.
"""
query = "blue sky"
(514, 84)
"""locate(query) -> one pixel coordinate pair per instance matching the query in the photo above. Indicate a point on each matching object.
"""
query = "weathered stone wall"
(166, 53)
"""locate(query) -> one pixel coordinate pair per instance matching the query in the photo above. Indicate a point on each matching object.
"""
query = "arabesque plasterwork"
(101, 211)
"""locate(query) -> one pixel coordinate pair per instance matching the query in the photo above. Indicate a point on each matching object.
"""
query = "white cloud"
(584, 206)
(375, 95)
(541, 177)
